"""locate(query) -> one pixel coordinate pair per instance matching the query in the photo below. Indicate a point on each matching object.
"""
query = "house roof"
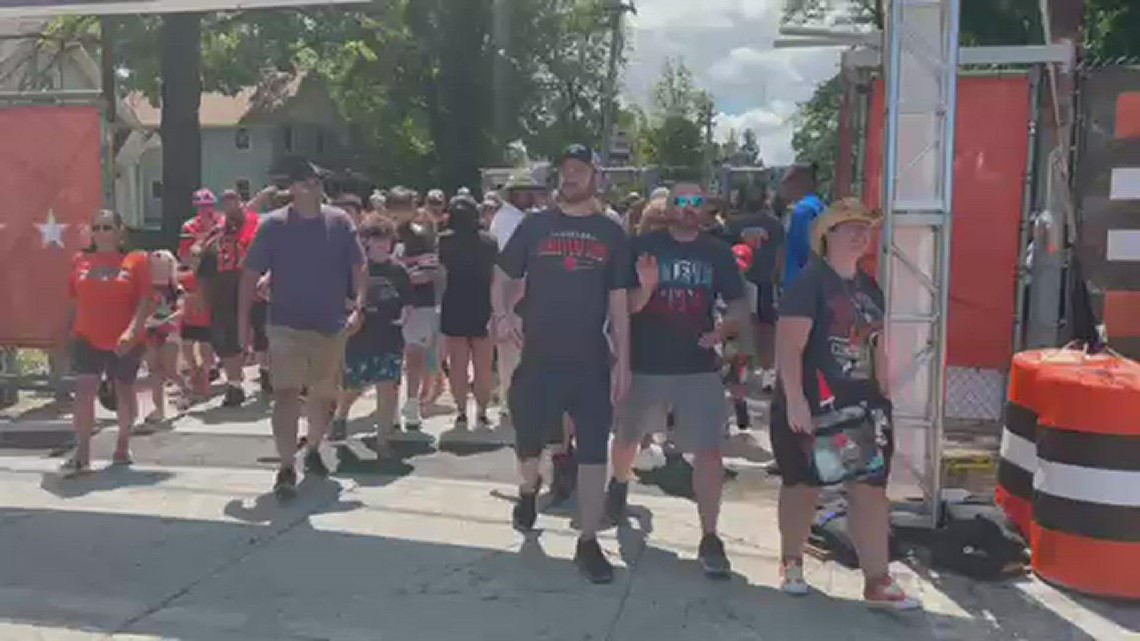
(219, 110)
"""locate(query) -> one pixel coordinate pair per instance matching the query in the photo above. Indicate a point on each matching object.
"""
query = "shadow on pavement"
(315, 495)
(101, 480)
(252, 411)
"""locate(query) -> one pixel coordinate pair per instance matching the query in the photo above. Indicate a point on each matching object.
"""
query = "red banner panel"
(51, 178)
(990, 155)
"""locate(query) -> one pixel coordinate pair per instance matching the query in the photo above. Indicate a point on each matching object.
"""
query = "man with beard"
(674, 333)
(577, 268)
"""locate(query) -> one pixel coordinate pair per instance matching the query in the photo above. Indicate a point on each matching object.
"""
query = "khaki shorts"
(421, 327)
(300, 358)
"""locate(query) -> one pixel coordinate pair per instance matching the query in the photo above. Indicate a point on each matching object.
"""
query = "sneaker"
(461, 422)
(649, 458)
(338, 430)
(235, 396)
(414, 434)
(792, 578)
(411, 414)
(525, 512)
(215, 374)
(768, 380)
(314, 464)
(285, 485)
(264, 381)
(73, 467)
(885, 593)
(712, 558)
(617, 498)
(743, 418)
(483, 423)
(565, 475)
(592, 561)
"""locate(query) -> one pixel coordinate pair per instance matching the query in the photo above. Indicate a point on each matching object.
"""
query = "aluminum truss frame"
(921, 57)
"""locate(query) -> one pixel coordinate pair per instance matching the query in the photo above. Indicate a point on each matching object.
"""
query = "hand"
(713, 338)
(620, 380)
(263, 286)
(127, 341)
(355, 322)
(508, 329)
(799, 416)
(647, 272)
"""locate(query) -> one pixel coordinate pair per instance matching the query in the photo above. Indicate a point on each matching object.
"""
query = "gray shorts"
(700, 410)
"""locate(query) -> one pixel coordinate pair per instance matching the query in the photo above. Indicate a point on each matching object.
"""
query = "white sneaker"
(768, 380)
(792, 579)
(649, 458)
(411, 413)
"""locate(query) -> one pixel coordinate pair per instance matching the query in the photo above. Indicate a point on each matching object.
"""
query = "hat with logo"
(204, 198)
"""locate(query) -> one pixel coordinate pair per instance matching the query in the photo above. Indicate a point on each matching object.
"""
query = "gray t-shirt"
(571, 264)
(312, 261)
(847, 322)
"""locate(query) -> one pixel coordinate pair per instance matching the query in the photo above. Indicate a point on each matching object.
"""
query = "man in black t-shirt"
(674, 334)
(578, 268)
(764, 233)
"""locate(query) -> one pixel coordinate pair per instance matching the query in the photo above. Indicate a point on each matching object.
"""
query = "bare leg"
(415, 360)
(483, 362)
(591, 499)
(128, 402)
(459, 355)
(286, 415)
(708, 485)
(317, 412)
(83, 415)
(157, 381)
(233, 366)
(622, 455)
(345, 402)
(870, 525)
(796, 509)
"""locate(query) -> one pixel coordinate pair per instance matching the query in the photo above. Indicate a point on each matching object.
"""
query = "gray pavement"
(188, 546)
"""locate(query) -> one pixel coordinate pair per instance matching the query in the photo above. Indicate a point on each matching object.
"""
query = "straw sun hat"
(841, 211)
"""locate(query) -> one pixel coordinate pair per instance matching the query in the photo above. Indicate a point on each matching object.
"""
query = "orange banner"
(51, 178)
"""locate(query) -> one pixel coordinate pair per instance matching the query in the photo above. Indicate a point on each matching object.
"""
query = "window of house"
(287, 137)
(241, 138)
(243, 188)
(156, 189)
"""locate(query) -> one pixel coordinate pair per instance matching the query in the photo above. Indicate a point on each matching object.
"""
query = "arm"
(791, 339)
(141, 270)
(619, 326)
(639, 298)
(246, 290)
(261, 198)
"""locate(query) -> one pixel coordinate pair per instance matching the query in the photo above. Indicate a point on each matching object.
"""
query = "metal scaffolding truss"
(920, 57)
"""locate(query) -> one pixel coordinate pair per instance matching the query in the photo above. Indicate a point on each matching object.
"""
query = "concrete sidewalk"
(202, 554)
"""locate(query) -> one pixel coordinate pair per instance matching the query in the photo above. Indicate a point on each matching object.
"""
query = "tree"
(816, 134)
(677, 129)
(1111, 28)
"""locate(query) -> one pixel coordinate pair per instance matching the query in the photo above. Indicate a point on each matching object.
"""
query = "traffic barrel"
(1086, 489)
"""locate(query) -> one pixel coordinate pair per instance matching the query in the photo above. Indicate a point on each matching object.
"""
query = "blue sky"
(728, 46)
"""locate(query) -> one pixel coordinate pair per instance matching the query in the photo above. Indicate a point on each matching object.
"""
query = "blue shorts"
(362, 370)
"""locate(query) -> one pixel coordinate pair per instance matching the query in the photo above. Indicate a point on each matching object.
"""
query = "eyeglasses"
(689, 201)
(102, 228)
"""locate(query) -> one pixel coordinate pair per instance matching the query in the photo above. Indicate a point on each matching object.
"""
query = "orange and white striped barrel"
(1086, 490)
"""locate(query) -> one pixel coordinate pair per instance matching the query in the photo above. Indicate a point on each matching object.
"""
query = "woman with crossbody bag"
(830, 413)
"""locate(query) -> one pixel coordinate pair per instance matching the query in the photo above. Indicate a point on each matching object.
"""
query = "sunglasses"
(689, 201)
(102, 228)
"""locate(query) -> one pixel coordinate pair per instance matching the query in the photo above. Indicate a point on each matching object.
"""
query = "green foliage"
(1112, 29)
(816, 135)
(675, 129)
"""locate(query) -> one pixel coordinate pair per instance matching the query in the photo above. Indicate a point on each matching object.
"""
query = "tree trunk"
(181, 51)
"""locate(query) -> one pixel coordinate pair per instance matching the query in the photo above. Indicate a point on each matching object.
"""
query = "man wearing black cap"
(578, 268)
(313, 253)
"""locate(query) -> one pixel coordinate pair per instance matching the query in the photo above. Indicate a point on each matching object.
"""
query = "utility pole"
(617, 9)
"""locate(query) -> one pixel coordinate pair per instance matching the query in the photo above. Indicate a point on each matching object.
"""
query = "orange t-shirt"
(196, 311)
(107, 288)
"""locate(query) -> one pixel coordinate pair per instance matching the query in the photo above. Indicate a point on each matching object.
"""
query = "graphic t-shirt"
(389, 290)
(223, 261)
(692, 275)
(417, 252)
(765, 235)
(312, 261)
(847, 323)
(571, 264)
(107, 288)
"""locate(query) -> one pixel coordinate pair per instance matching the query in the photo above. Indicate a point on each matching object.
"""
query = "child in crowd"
(161, 351)
(374, 353)
(197, 351)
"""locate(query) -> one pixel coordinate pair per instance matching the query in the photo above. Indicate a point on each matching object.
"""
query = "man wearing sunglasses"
(674, 335)
(577, 268)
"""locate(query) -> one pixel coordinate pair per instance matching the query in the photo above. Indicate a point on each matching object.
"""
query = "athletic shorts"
(224, 332)
(792, 451)
(541, 393)
(421, 326)
(258, 320)
(196, 334)
(306, 359)
(88, 360)
(697, 402)
(363, 370)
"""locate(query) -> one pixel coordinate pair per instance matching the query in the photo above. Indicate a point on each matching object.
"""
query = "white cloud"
(728, 44)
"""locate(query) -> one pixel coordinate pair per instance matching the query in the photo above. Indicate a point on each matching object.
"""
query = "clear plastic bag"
(848, 444)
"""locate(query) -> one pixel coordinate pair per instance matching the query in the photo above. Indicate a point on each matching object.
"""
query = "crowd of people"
(602, 330)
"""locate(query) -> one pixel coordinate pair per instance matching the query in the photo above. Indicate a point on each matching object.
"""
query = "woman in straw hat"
(830, 356)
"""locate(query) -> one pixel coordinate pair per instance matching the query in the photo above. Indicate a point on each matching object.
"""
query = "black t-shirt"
(469, 259)
(692, 275)
(389, 291)
(571, 264)
(847, 322)
(764, 233)
(418, 243)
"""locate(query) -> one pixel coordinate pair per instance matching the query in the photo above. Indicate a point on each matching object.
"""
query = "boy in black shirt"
(375, 354)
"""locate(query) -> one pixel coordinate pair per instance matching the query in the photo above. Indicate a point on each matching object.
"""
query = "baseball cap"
(295, 169)
(435, 196)
(578, 151)
(204, 198)
(521, 182)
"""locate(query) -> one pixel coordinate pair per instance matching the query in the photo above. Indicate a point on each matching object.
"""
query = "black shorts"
(196, 334)
(766, 303)
(87, 360)
(541, 393)
(792, 451)
(224, 332)
(258, 319)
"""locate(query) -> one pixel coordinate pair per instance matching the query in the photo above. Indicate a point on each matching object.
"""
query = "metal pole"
(609, 111)
(1024, 281)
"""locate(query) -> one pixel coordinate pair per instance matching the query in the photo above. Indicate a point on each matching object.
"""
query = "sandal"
(73, 467)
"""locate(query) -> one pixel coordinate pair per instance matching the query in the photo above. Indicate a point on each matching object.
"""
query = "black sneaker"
(338, 430)
(565, 475)
(285, 485)
(743, 418)
(235, 396)
(617, 495)
(525, 512)
(264, 381)
(592, 562)
(712, 557)
(215, 374)
(314, 464)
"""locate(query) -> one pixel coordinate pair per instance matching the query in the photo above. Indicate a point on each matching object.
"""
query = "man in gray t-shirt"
(312, 255)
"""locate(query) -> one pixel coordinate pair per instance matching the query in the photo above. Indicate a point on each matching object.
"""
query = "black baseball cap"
(295, 169)
(577, 151)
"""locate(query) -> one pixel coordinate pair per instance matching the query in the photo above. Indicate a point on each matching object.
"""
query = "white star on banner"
(51, 232)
